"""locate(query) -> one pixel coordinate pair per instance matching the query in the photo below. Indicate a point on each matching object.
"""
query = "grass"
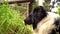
(11, 22)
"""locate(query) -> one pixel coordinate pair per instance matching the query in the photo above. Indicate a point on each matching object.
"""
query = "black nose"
(25, 21)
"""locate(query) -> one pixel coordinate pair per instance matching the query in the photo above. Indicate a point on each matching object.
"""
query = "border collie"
(43, 22)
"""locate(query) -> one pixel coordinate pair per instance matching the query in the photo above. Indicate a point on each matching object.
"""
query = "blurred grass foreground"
(11, 22)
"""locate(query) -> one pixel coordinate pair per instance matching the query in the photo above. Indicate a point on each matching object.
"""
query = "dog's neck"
(46, 18)
(40, 23)
(42, 20)
(38, 19)
(44, 23)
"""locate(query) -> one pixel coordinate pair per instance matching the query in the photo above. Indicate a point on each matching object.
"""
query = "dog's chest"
(44, 27)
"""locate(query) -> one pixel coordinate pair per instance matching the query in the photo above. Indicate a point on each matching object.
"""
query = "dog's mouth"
(26, 24)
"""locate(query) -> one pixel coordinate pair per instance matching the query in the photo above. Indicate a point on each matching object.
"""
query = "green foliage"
(35, 4)
(11, 22)
(58, 11)
(46, 5)
(22, 8)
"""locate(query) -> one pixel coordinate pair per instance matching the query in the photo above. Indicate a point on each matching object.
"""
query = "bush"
(58, 11)
(11, 22)
(46, 5)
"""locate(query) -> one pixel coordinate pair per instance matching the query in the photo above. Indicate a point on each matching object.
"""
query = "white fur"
(46, 25)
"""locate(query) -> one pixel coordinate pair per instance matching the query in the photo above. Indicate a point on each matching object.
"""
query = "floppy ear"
(39, 10)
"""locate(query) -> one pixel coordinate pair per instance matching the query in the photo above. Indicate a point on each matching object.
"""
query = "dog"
(43, 22)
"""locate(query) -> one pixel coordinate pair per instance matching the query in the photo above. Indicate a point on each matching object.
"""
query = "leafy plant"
(11, 22)
(46, 5)
(58, 11)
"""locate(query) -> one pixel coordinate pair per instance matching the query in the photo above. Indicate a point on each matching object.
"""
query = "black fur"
(57, 24)
(37, 15)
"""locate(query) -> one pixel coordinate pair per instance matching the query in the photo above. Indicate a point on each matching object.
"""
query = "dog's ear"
(39, 10)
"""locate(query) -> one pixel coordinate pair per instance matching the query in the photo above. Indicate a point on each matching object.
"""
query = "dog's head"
(36, 15)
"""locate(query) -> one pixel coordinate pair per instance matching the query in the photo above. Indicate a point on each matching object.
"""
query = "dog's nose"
(25, 22)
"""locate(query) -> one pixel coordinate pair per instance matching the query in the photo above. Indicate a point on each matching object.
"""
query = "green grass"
(58, 11)
(11, 22)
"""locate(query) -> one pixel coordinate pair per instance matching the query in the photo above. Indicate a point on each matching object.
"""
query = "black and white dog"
(43, 22)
